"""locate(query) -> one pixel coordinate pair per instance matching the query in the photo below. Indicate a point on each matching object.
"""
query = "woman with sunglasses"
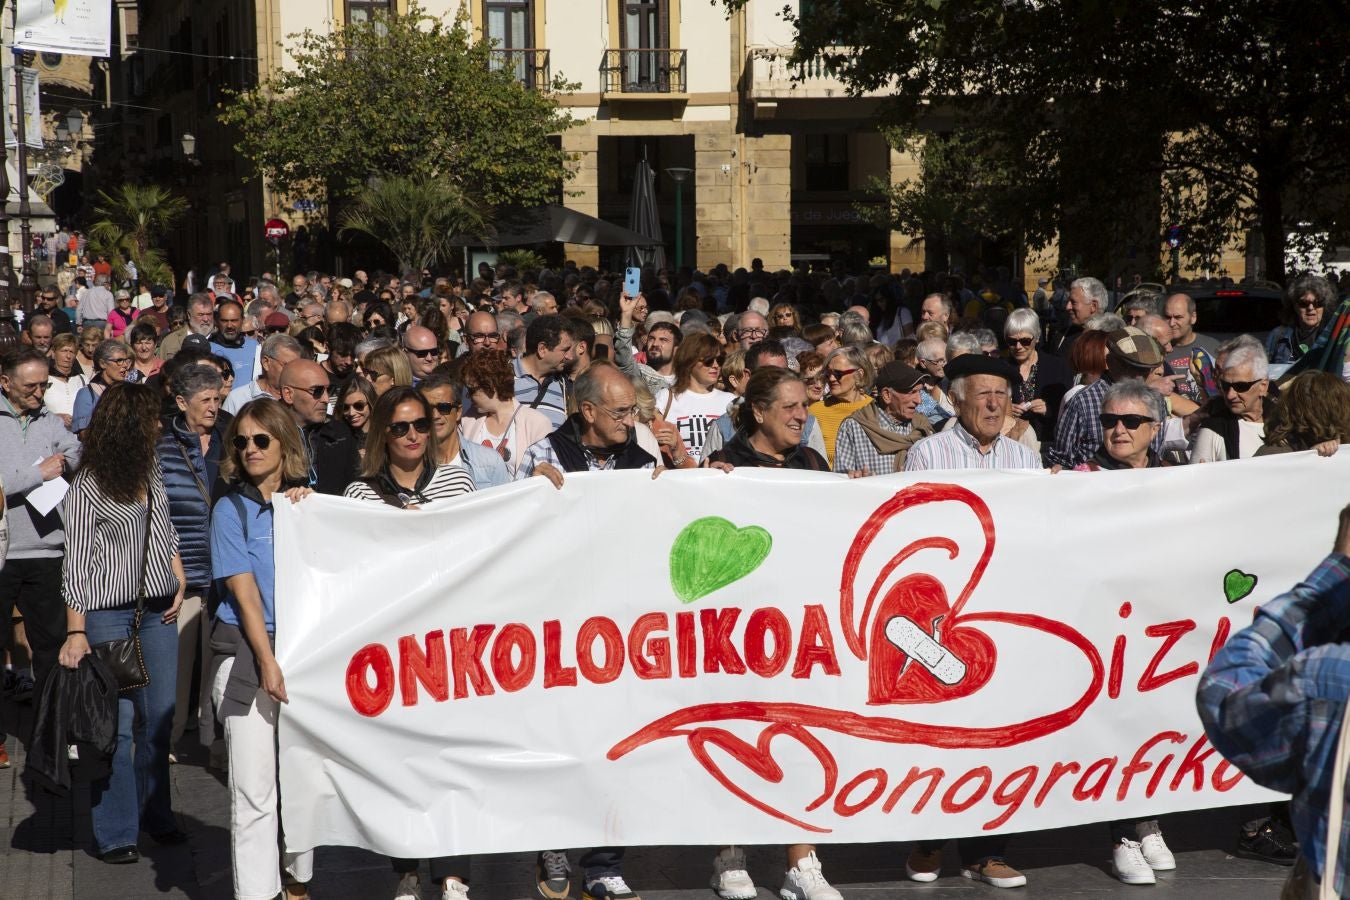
(265, 455)
(811, 366)
(402, 465)
(848, 375)
(1045, 377)
(356, 398)
(122, 567)
(387, 367)
(501, 422)
(688, 408)
(112, 359)
(444, 393)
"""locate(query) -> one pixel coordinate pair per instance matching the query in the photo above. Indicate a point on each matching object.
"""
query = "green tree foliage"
(522, 260)
(130, 223)
(1228, 113)
(415, 220)
(408, 95)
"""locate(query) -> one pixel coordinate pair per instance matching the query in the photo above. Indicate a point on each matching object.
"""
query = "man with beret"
(981, 389)
(1130, 353)
(876, 439)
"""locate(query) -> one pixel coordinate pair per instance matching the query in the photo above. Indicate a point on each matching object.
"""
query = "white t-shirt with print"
(694, 415)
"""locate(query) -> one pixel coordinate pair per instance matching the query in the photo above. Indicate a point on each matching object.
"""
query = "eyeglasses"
(752, 332)
(249, 331)
(838, 374)
(358, 406)
(478, 338)
(1241, 387)
(619, 415)
(119, 361)
(425, 354)
(1130, 420)
(260, 440)
(399, 429)
(319, 390)
(1022, 341)
(932, 362)
(445, 408)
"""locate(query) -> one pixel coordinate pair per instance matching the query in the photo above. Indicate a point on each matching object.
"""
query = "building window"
(826, 162)
(361, 11)
(509, 24)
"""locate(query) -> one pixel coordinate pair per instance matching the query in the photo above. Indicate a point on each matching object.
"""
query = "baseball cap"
(197, 341)
(1135, 347)
(899, 377)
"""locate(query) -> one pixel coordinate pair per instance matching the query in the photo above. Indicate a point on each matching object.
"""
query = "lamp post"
(28, 286)
(679, 176)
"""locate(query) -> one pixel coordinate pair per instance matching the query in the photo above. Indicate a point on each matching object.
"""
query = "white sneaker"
(807, 882)
(454, 890)
(1128, 864)
(730, 880)
(409, 887)
(1156, 854)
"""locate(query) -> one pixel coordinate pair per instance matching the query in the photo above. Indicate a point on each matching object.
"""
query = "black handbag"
(123, 656)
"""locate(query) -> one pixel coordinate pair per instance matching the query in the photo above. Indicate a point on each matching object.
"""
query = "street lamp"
(28, 285)
(679, 175)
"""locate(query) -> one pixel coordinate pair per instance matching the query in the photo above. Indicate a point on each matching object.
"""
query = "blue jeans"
(136, 792)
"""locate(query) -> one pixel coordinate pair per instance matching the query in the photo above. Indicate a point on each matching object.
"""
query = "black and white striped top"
(103, 547)
(445, 482)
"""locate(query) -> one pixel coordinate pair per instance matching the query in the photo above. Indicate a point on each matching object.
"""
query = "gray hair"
(957, 389)
(508, 320)
(1316, 285)
(1246, 350)
(962, 342)
(830, 318)
(275, 343)
(947, 303)
(857, 359)
(1023, 321)
(986, 337)
(189, 381)
(1092, 288)
(370, 345)
(1134, 390)
(106, 349)
(539, 300)
(201, 301)
(1107, 322)
(853, 330)
(928, 349)
(1144, 300)
(267, 289)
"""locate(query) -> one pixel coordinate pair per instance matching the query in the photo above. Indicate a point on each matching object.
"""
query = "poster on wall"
(79, 27)
(32, 111)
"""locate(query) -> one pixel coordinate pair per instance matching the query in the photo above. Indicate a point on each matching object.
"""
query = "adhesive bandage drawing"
(918, 646)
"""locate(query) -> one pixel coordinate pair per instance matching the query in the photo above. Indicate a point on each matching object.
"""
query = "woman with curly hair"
(123, 573)
(499, 420)
(1313, 414)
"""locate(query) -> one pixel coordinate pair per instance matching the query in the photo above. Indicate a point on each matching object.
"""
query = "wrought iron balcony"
(648, 71)
(529, 66)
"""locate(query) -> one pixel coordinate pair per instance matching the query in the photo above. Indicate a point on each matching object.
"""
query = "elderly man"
(299, 290)
(311, 313)
(200, 320)
(751, 328)
(96, 304)
(39, 330)
(1237, 430)
(877, 438)
(663, 339)
(542, 303)
(1130, 353)
(937, 308)
(1087, 298)
(278, 350)
(333, 454)
(981, 391)
(1191, 355)
(541, 370)
(480, 333)
(423, 351)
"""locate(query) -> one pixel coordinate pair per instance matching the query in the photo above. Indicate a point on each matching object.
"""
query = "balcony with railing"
(773, 76)
(529, 66)
(655, 73)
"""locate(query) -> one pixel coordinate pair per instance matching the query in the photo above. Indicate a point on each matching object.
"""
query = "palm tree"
(132, 219)
(415, 220)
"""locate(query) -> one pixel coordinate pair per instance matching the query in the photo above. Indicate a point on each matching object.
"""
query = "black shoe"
(120, 856)
(170, 838)
(1267, 841)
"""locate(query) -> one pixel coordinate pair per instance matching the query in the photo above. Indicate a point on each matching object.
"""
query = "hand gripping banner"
(772, 657)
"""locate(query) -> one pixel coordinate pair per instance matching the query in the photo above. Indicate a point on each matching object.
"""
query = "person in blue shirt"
(229, 341)
(1273, 698)
(265, 456)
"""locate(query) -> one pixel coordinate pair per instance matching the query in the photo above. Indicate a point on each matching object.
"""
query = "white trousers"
(255, 816)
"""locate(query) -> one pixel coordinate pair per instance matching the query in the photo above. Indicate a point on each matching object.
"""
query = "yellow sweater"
(831, 413)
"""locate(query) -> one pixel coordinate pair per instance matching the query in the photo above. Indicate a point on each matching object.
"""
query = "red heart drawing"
(893, 676)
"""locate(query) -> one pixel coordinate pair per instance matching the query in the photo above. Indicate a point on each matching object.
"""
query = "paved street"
(44, 856)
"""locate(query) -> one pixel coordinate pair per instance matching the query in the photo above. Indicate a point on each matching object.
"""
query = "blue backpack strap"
(806, 430)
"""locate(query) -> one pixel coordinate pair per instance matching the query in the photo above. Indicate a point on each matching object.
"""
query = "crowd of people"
(164, 428)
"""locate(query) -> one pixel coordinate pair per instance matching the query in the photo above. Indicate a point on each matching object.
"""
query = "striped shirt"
(104, 538)
(445, 482)
(957, 448)
(553, 403)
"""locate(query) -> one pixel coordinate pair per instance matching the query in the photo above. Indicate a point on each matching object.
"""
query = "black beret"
(978, 364)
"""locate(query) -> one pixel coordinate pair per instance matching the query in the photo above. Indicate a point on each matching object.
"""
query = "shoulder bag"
(123, 656)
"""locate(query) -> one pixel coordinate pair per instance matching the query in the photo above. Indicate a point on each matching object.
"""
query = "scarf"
(1327, 353)
(886, 441)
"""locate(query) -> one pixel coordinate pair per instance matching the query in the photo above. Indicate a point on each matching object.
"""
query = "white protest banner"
(32, 109)
(773, 657)
(77, 27)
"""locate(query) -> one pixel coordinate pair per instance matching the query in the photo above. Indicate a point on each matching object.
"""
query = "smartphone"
(632, 281)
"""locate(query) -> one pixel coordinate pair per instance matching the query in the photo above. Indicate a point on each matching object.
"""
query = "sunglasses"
(359, 406)
(319, 390)
(445, 408)
(1241, 387)
(425, 354)
(816, 380)
(838, 374)
(711, 361)
(1022, 341)
(1130, 420)
(1312, 304)
(399, 429)
(277, 329)
(261, 441)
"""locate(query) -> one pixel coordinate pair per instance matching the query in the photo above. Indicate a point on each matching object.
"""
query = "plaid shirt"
(854, 451)
(1078, 434)
(1273, 697)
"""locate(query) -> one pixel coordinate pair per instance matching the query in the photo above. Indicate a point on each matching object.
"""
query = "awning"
(546, 224)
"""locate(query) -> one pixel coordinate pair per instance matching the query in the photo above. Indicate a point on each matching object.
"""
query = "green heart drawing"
(1238, 584)
(711, 553)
